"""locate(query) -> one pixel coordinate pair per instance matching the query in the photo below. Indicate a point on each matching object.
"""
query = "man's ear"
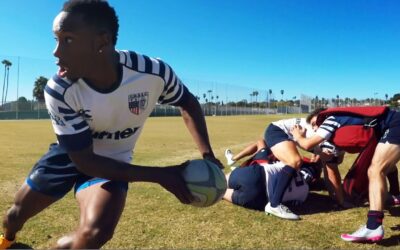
(103, 41)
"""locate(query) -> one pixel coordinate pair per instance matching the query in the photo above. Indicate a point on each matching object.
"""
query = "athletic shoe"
(396, 200)
(4, 243)
(281, 211)
(364, 234)
(229, 156)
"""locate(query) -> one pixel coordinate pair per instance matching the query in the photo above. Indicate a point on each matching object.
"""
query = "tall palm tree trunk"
(4, 84)
(8, 77)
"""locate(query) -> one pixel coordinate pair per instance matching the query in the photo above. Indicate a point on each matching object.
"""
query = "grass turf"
(154, 219)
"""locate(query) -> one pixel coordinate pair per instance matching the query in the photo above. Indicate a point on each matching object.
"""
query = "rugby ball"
(206, 182)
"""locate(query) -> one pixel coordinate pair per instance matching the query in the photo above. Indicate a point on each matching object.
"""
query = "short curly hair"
(315, 112)
(97, 13)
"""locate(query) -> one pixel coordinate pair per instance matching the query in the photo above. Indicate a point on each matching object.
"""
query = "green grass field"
(154, 219)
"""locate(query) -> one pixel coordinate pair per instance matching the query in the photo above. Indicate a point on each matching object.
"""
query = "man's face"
(75, 46)
(313, 123)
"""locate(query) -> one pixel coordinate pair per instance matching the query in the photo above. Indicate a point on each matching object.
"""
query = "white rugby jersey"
(112, 121)
(296, 191)
(287, 124)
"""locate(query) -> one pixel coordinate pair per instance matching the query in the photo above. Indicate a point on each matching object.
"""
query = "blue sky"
(315, 47)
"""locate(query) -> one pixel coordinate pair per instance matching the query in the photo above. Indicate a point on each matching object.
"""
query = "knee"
(96, 236)
(295, 162)
(12, 215)
(375, 172)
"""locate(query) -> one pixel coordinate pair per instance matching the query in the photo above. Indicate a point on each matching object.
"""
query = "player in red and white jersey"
(98, 102)
(384, 158)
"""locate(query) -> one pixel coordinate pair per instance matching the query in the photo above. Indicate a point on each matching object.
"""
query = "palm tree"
(337, 100)
(269, 97)
(7, 65)
(255, 93)
(386, 96)
(209, 93)
(38, 89)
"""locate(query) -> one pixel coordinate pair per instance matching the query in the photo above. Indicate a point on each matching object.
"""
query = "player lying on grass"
(251, 184)
(280, 140)
(386, 127)
(326, 153)
(98, 102)
(248, 185)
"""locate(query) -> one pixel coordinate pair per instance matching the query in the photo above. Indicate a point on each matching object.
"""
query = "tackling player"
(280, 140)
(385, 157)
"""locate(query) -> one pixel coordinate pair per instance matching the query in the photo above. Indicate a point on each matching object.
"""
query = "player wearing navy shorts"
(385, 157)
(98, 102)
(250, 186)
(281, 142)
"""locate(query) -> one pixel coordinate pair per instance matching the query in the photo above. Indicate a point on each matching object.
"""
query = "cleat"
(229, 156)
(4, 243)
(396, 200)
(364, 234)
(281, 211)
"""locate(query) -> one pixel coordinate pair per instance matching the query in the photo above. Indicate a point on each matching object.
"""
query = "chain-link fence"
(19, 94)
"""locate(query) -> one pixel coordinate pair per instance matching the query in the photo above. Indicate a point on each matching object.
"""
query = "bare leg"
(229, 191)
(27, 204)
(250, 150)
(101, 206)
(385, 157)
(286, 151)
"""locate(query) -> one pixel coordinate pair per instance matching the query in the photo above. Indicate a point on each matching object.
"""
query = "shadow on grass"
(318, 203)
(19, 245)
(394, 211)
(389, 242)
(315, 203)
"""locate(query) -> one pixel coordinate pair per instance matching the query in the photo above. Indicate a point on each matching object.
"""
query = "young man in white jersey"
(98, 102)
(280, 140)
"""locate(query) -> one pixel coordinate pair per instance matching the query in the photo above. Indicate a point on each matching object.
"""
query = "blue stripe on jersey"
(171, 74)
(171, 88)
(80, 125)
(134, 59)
(66, 111)
(338, 121)
(60, 81)
(183, 98)
(162, 69)
(71, 117)
(54, 94)
(148, 65)
(76, 142)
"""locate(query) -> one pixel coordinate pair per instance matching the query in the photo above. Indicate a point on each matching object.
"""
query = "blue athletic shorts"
(249, 187)
(262, 154)
(55, 175)
(392, 133)
(274, 135)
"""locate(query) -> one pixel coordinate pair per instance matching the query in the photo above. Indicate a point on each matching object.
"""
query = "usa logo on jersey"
(138, 102)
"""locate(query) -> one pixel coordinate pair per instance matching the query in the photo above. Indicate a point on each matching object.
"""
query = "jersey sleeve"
(175, 92)
(328, 127)
(70, 127)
